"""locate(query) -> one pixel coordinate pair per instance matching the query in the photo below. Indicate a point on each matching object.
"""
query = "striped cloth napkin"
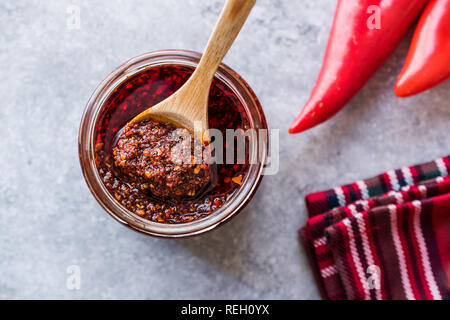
(387, 237)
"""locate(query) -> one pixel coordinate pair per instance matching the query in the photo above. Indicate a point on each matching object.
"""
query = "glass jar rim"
(239, 198)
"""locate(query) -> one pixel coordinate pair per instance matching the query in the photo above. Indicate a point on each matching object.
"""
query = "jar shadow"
(225, 247)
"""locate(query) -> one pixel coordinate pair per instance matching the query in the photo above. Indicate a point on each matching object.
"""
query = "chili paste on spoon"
(140, 158)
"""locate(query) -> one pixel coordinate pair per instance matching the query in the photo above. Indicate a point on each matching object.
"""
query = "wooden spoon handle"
(225, 32)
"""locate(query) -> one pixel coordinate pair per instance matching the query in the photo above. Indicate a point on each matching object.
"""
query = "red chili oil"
(137, 93)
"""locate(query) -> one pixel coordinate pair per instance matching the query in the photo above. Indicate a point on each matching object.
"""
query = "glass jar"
(239, 198)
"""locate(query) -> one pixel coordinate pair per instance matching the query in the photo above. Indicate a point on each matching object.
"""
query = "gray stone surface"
(48, 218)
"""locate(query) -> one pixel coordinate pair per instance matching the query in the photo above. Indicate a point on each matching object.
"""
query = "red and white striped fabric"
(394, 246)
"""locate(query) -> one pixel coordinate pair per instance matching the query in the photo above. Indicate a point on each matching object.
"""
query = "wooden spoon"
(188, 106)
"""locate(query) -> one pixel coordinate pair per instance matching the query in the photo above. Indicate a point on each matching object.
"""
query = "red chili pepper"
(354, 53)
(428, 61)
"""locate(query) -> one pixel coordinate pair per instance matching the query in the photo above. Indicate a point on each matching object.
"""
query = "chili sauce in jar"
(124, 165)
